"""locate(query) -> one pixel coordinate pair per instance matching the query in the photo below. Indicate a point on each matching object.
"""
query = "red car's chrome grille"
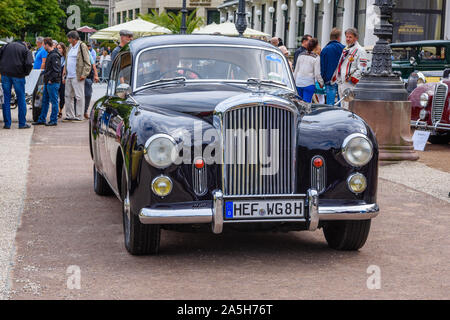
(245, 172)
(440, 95)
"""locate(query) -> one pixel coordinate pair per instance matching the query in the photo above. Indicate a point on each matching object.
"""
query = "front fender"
(322, 132)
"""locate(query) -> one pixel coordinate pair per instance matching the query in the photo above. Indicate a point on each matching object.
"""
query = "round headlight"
(357, 183)
(160, 150)
(424, 99)
(162, 186)
(423, 114)
(357, 150)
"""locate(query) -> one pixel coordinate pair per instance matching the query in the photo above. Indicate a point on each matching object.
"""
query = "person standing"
(285, 53)
(302, 48)
(125, 38)
(105, 61)
(307, 71)
(92, 52)
(62, 88)
(76, 70)
(329, 59)
(52, 78)
(351, 64)
(41, 54)
(16, 62)
(275, 41)
(93, 77)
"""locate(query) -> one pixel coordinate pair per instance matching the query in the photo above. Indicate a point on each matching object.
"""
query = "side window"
(125, 69)
(113, 78)
(432, 53)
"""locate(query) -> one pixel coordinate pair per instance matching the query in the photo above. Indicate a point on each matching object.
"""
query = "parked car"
(421, 61)
(430, 110)
(207, 133)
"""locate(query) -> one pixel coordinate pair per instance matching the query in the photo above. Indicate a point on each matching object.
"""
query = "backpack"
(91, 73)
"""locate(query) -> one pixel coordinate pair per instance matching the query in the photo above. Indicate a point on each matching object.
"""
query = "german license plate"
(264, 209)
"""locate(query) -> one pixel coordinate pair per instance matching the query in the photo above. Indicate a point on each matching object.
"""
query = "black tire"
(346, 235)
(101, 186)
(439, 139)
(140, 239)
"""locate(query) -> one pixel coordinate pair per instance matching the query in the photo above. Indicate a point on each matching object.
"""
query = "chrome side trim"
(217, 214)
(175, 216)
(313, 203)
(357, 212)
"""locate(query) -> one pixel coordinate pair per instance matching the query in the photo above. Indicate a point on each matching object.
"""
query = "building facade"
(290, 19)
(125, 10)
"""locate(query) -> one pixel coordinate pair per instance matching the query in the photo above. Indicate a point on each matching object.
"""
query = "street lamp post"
(241, 21)
(381, 98)
(183, 18)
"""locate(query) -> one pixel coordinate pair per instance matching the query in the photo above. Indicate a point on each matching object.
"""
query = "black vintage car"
(207, 133)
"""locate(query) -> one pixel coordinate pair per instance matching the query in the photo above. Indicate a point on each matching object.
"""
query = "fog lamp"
(162, 186)
(357, 183)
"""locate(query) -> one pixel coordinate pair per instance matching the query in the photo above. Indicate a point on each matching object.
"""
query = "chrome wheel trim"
(126, 211)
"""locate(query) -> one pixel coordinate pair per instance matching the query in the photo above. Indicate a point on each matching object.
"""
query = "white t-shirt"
(71, 63)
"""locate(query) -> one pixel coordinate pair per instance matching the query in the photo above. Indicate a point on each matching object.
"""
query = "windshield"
(204, 63)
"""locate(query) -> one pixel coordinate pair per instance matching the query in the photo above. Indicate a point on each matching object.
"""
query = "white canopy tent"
(229, 29)
(139, 27)
(2, 43)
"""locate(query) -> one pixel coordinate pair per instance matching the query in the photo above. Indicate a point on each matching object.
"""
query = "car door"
(116, 109)
(103, 121)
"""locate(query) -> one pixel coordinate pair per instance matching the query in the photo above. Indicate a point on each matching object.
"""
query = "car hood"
(196, 99)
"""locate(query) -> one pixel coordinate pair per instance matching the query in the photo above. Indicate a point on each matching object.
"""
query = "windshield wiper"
(163, 81)
(259, 82)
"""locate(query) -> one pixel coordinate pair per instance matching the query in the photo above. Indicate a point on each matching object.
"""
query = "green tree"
(172, 21)
(12, 17)
(42, 17)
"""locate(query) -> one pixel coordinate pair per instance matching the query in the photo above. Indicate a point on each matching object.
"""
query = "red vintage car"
(430, 110)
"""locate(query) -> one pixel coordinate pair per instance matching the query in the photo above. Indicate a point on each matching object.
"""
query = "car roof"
(162, 40)
(421, 43)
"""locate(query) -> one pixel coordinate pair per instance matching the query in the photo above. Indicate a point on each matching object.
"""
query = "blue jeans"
(306, 93)
(19, 87)
(331, 92)
(50, 95)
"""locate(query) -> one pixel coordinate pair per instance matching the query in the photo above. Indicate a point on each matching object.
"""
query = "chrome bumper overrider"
(424, 125)
(214, 215)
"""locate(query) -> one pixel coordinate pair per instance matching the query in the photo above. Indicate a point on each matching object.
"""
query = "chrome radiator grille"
(440, 95)
(252, 136)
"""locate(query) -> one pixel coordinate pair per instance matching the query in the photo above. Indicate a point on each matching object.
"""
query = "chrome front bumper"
(214, 215)
(424, 125)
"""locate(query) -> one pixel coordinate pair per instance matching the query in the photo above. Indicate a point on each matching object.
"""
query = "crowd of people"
(326, 72)
(68, 75)
(69, 72)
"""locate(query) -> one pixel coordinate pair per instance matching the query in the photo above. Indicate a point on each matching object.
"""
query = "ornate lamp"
(381, 98)
(183, 18)
(241, 21)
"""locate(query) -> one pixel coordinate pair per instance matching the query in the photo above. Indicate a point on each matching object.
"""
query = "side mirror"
(412, 61)
(123, 90)
(349, 95)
